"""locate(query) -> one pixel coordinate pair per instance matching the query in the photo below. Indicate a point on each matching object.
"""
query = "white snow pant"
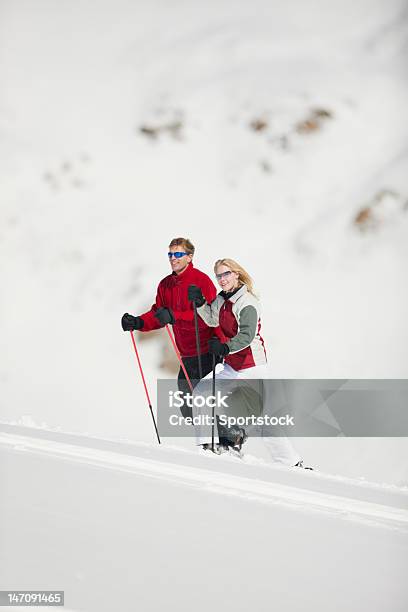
(279, 447)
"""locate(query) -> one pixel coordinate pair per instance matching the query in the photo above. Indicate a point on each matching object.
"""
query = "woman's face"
(227, 279)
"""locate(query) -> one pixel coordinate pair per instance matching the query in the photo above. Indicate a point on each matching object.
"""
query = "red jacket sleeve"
(150, 321)
(209, 292)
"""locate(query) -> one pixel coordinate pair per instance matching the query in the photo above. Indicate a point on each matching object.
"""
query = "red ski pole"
(145, 386)
(179, 358)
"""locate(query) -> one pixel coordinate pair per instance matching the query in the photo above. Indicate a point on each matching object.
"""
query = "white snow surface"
(128, 517)
(88, 205)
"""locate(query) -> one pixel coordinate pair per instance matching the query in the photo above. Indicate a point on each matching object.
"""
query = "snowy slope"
(130, 517)
(88, 203)
(248, 478)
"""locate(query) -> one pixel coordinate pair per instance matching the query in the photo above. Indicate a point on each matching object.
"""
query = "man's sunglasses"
(177, 254)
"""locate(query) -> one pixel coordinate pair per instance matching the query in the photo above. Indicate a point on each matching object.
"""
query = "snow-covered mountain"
(274, 133)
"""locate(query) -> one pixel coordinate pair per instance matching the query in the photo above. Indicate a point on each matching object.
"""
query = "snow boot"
(235, 443)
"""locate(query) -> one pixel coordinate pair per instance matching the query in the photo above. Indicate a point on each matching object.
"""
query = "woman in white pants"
(236, 310)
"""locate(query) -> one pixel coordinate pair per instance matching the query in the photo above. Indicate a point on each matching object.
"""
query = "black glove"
(216, 347)
(195, 295)
(129, 322)
(164, 316)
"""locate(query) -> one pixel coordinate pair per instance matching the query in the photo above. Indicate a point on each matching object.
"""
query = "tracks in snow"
(299, 490)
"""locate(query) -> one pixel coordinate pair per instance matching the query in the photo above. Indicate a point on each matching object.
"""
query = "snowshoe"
(299, 464)
(218, 448)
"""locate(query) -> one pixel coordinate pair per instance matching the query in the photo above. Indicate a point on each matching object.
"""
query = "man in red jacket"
(173, 307)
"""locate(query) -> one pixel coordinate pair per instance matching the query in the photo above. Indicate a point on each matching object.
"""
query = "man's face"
(179, 264)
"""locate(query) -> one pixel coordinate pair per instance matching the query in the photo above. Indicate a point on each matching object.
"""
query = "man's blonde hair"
(185, 243)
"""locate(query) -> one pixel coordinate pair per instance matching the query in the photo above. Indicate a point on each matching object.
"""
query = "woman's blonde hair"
(243, 276)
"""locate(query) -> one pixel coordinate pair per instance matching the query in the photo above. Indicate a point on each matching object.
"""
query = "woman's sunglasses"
(223, 275)
(177, 254)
